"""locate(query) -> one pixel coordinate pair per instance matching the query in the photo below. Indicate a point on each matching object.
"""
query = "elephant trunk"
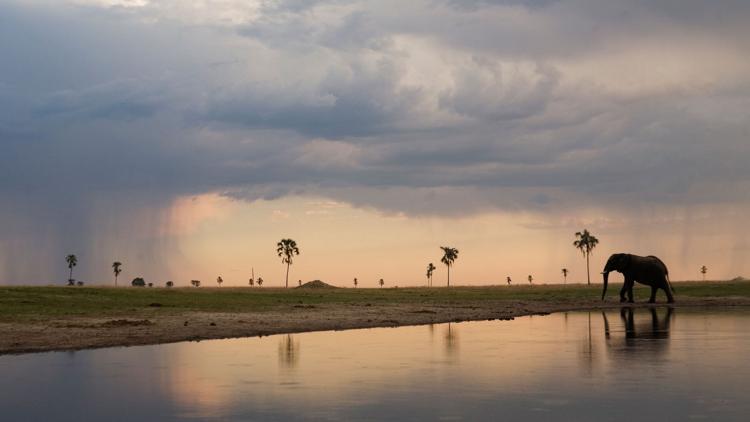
(605, 274)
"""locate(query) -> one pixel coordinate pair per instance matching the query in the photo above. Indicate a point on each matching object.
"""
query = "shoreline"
(151, 327)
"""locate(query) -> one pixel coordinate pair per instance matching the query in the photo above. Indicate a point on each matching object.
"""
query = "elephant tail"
(669, 282)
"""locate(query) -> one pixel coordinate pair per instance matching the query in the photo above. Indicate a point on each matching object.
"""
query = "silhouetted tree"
(508, 280)
(449, 257)
(116, 269)
(138, 282)
(219, 280)
(530, 278)
(150, 284)
(381, 282)
(430, 269)
(170, 284)
(704, 270)
(355, 282)
(565, 275)
(287, 249)
(260, 281)
(195, 283)
(79, 284)
(299, 283)
(586, 243)
(251, 282)
(72, 261)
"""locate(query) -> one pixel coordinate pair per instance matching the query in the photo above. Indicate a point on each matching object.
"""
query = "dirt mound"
(316, 284)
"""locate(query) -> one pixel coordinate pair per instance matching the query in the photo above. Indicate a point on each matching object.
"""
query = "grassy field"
(29, 304)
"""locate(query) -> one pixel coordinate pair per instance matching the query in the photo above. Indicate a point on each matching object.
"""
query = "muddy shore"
(153, 327)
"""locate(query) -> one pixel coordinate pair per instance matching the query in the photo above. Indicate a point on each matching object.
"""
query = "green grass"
(44, 303)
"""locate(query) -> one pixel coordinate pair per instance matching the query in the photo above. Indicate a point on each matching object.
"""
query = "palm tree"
(381, 282)
(286, 249)
(251, 282)
(355, 282)
(299, 283)
(219, 280)
(430, 269)
(565, 275)
(260, 281)
(508, 280)
(449, 257)
(116, 269)
(72, 261)
(586, 242)
(704, 270)
(530, 278)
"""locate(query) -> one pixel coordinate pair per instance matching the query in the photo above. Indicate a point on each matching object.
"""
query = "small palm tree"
(381, 282)
(355, 282)
(565, 275)
(449, 257)
(586, 242)
(219, 280)
(530, 278)
(287, 249)
(116, 269)
(704, 270)
(72, 261)
(430, 269)
(260, 281)
(507, 279)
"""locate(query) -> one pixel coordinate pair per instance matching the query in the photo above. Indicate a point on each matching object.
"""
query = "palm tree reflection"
(451, 342)
(288, 352)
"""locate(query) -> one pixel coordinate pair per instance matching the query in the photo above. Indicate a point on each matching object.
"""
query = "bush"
(170, 284)
(138, 282)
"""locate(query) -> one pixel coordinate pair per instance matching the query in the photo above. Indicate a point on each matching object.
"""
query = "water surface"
(620, 365)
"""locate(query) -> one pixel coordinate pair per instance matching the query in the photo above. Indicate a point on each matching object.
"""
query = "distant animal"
(648, 270)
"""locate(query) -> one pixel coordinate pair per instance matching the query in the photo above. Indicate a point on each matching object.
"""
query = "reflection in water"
(645, 333)
(558, 367)
(288, 352)
(451, 342)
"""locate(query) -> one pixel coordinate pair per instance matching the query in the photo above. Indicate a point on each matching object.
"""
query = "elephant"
(648, 270)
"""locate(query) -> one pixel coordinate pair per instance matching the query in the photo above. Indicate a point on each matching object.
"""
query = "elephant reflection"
(654, 329)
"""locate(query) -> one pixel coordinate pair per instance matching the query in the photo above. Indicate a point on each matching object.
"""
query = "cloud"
(425, 107)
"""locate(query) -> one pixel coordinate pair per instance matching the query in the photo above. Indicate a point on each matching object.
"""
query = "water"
(576, 366)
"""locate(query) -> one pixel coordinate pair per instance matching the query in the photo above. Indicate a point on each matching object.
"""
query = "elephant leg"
(653, 294)
(630, 291)
(627, 287)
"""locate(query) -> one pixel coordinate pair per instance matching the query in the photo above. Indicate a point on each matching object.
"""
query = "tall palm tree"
(219, 280)
(355, 282)
(381, 282)
(430, 269)
(704, 270)
(116, 269)
(531, 279)
(449, 257)
(565, 275)
(72, 261)
(586, 242)
(286, 249)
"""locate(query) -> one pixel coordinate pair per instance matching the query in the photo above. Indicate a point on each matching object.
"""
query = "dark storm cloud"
(435, 107)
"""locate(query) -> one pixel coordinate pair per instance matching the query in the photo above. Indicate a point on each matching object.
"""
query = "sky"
(185, 138)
